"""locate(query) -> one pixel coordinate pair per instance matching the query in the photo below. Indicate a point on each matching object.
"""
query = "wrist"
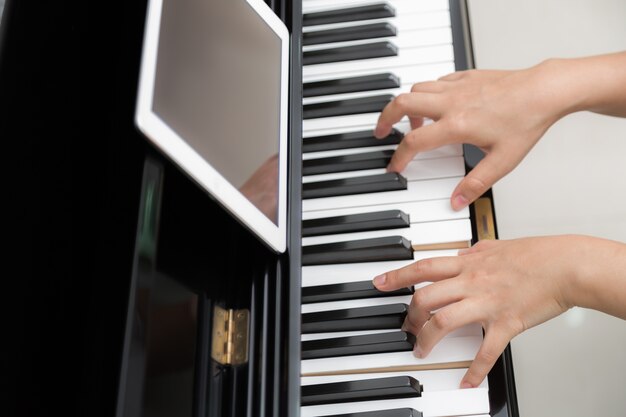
(598, 280)
(595, 83)
(562, 93)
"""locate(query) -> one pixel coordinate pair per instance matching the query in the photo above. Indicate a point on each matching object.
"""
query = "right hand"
(504, 113)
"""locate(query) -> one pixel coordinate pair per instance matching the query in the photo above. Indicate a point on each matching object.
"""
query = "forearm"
(600, 280)
(596, 84)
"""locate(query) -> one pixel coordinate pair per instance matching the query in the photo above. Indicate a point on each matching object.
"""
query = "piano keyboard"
(359, 221)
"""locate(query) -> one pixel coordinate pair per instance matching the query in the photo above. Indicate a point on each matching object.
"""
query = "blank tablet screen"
(217, 85)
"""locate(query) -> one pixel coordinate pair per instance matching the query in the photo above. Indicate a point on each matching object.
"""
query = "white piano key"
(362, 302)
(425, 169)
(359, 94)
(402, 23)
(340, 175)
(322, 126)
(473, 329)
(406, 39)
(402, 7)
(419, 212)
(402, 127)
(432, 380)
(405, 57)
(448, 350)
(352, 122)
(349, 151)
(441, 152)
(339, 273)
(408, 75)
(404, 88)
(317, 336)
(366, 120)
(459, 402)
(416, 191)
(459, 230)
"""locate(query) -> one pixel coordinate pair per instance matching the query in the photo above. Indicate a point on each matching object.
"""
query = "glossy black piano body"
(68, 79)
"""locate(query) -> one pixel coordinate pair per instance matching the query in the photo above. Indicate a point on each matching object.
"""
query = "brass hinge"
(230, 336)
(485, 226)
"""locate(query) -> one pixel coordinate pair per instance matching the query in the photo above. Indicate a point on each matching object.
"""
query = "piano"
(297, 333)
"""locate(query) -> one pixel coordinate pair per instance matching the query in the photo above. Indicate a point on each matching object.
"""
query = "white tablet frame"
(183, 155)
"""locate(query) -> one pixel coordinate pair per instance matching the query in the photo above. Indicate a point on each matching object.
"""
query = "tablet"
(213, 96)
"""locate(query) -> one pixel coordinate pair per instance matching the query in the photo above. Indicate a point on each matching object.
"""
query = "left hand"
(506, 286)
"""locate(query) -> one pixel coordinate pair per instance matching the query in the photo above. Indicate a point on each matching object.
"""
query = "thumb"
(477, 182)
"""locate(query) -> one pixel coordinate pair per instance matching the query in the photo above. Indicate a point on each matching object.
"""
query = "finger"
(407, 104)
(479, 180)
(427, 87)
(416, 122)
(432, 269)
(478, 247)
(430, 298)
(453, 76)
(493, 345)
(447, 319)
(419, 140)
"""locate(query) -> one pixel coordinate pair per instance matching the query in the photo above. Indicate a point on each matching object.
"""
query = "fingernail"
(459, 202)
(392, 167)
(466, 384)
(462, 251)
(380, 280)
(417, 352)
(378, 132)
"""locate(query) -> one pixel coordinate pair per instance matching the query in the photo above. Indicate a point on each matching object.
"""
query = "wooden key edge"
(441, 246)
(406, 368)
(484, 219)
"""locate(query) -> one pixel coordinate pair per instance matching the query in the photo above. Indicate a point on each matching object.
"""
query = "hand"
(504, 113)
(506, 286)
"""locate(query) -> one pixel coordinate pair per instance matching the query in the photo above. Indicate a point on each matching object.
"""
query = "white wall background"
(574, 181)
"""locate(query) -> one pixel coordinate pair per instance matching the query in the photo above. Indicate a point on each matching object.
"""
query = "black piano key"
(349, 53)
(351, 33)
(358, 345)
(348, 291)
(351, 85)
(344, 163)
(398, 412)
(391, 248)
(350, 14)
(362, 390)
(349, 140)
(374, 104)
(390, 181)
(389, 316)
(352, 223)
